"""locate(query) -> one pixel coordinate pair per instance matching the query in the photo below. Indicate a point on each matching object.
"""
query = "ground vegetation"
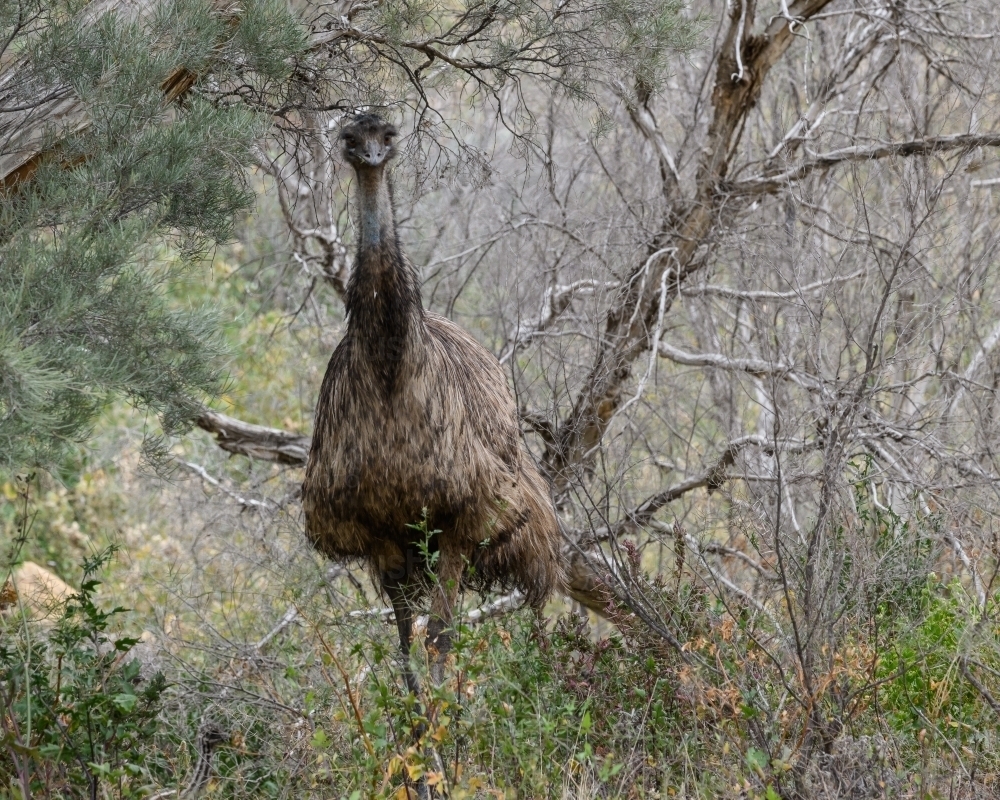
(737, 261)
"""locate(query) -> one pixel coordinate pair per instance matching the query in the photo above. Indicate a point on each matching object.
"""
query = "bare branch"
(712, 479)
(978, 685)
(246, 502)
(555, 301)
(751, 366)
(255, 441)
(769, 184)
(763, 294)
(504, 604)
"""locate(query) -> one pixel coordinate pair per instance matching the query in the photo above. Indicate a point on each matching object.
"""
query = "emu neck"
(383, 294)
(377, 217)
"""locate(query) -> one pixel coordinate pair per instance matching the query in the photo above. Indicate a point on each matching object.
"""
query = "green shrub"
(923, 687)
(78, 715)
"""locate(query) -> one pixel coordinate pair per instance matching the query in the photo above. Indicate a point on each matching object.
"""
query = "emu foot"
(424, 792)
(418, 789)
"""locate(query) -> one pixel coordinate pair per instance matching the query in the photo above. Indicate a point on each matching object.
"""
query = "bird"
(417, 466)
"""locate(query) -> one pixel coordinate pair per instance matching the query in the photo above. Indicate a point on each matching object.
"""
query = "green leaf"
(8, 740)
(320, 740)
(126, 702)
(757, 760)
(125, 643)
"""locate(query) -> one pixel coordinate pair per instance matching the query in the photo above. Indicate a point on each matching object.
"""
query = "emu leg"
(451, 565)
(404, 625)
(396, 592)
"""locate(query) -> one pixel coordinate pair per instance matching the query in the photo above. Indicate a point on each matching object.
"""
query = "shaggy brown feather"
(445, 440)
(416, 418)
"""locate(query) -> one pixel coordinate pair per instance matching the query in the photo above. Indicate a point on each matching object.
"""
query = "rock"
(41, 592)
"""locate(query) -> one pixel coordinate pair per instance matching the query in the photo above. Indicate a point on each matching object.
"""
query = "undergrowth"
(534, 707)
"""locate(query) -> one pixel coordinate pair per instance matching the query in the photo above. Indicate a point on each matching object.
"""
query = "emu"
(415, 421)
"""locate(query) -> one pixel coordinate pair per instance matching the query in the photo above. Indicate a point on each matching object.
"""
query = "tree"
(354, 54)
(767, 275)
(97, 219)
(771, 279)
(693, 162)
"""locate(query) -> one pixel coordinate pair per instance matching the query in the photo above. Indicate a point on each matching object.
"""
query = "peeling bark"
(255, 441)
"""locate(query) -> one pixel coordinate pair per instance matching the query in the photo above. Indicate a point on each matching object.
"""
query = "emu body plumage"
(415, 417)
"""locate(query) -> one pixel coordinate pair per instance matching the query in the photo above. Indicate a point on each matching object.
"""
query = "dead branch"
(632, 318)
(769, 184)
(504, 604)
(764, 294)
(978, 685)
(751, 366)
(255, 441)
(554, 302)
(712, 479)
(246, 502)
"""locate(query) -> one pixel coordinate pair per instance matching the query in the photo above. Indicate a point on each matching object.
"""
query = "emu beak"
(373, 155)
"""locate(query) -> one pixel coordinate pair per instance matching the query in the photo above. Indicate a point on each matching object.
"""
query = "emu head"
(368, 141)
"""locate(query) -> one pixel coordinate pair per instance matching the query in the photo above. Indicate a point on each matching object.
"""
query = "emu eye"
(350, 141)
(389, 138)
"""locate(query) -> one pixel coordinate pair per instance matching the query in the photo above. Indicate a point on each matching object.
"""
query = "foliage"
(527, 712)
(403, 55)
(828, 628)
(81, 282)
(544, 710)
(924, 692)
(78, 714)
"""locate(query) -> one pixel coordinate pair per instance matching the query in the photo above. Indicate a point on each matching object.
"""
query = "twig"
(554, 302)
(350, 694)
(246, 502)
(977, 581)
(287, 619)
(502, 605)
(985, 693)
(768, 184)
(712, 478)
(736, 294)
(657, 333)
